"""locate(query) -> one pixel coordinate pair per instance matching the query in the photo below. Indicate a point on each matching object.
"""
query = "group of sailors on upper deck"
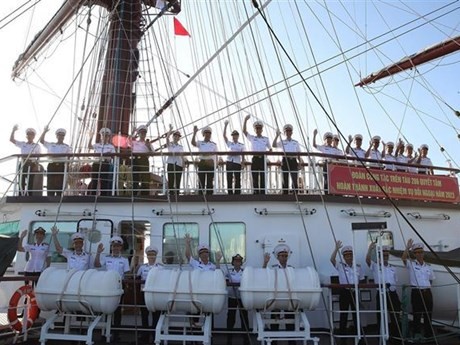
(400, 157)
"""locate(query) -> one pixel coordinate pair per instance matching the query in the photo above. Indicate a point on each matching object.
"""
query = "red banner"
(346, 180)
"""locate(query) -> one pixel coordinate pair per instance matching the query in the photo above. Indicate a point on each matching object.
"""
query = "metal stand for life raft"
(263, 319)
(184, 327)
(89, 323)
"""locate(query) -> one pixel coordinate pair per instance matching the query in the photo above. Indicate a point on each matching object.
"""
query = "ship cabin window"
(66, 229)
(136, 237)
(229, 238)
(174, 241)
(386, 238)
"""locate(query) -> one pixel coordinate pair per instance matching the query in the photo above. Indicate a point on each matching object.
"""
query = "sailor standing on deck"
(281, 252)
(373, 151)
(233, 276)
(291, 159)
(233, 164)
(356, 151)
(259, 143)
(203, 262)
(326, 149)
(39, 253)
(387, 156)
(421, 276)
(114, 262)
(347, 276)
(207, 160)
(57, 167)
(175, 164)
(102, 170)
(423, 159)
(142, 272)
(335, 145)
(385, 275)
(140, 164)
(76, 259)
(29, 166)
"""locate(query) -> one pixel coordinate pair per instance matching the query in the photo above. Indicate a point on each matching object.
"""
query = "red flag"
(179, 29)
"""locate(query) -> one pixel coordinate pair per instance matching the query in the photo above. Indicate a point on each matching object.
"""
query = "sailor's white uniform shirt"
(389, 158)
(358, 153)
(27, 148)
(140, 146)
(405, 160)
(375, 154)
(38, 254)
(234, 147)
(175, 160)
(347, 274)
(387, 276)
(206, 147)
(288, 146)
(424, 161)
(195, 264)
(76, 261)
(55, 148)
(259, 144)
(234, 276)
(144, 270)
(420, 275)
(104, 148)
(328, 150)
(116, 263)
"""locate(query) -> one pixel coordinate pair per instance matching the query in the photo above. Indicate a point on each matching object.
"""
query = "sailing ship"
(270, 61)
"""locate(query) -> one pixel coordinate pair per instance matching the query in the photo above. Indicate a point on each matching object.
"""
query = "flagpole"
(193, 77)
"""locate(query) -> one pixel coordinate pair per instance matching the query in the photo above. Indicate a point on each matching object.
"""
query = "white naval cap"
(409, 145)
(287, 127)
(417, 245)
(104, 131)
(335, 137)
(141, 128)
(347, 249)
(206, 130)
(328, 135)
(423, 146)
(202, 248)
(151, 249)
(116, 240)
(77, 236)
(31, 130)
(60, 131)
(358, 136)
(282, 248)
(390, 143)
(258, 124)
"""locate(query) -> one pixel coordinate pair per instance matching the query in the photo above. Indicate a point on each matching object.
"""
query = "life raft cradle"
(31, 313)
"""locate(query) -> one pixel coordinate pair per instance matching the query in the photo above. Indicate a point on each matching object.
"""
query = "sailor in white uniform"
(203, 262)
(385, 274)
(175, 163)
(282, 252)
(347, 276)
(142, 272)
(326, 149)
(57, 167)
(140, 147)
(291, 159)
(259, 143)
(423, 159)
(356, 151)
(77, 258)
(29, 166)
(233, 277)
(206, 164)
(39, 252)
(233, 164)
(388, 156)
(102, 171)
(114, 262)
(421, 276)
(335, 145)
(373, 151)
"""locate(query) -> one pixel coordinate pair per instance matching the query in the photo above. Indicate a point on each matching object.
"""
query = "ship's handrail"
(311, 172)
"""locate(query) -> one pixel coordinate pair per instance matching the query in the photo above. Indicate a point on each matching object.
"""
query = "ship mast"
(122, 57)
